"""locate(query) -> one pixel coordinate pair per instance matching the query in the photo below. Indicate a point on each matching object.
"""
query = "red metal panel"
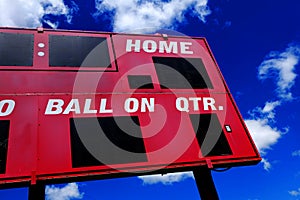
(47, 99)
(22, 149)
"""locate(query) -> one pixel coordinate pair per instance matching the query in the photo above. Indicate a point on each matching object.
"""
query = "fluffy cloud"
(23, 13)
(281, 66)
(295, 193)
(267, 164)
(268, 112)
(68, 192)
(296, 153)
(135, 15)
(262, 133)
(261, 126)
(166, 179)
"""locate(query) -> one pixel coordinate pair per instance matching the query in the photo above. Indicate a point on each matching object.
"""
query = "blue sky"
(257, 46)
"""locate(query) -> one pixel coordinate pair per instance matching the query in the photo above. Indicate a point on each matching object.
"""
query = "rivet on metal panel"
(209, 164)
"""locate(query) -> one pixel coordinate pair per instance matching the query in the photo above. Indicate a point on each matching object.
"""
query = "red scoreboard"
(83, 105)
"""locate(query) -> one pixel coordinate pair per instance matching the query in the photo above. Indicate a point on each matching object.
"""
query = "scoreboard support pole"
(205, 184)
(36, 191)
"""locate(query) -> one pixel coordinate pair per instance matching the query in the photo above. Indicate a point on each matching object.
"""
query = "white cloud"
(261, 127)
(281, 65)
(267, 112)
(68, 192)
(296, 153)
(29, 14)
(166, 179)
(269, 109)
(53, 25)
(295, 193)
(262, 130)
(54, 7)
(136, 15)
(267, 164)
(262, 133)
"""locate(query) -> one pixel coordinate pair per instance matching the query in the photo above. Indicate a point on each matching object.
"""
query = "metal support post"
(36, 191)
(205, 184)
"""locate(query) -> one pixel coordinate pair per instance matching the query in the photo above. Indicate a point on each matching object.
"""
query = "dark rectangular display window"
(4, 129)
(106, 141)
(210, 136)
(16, 49)
(78, 51)
(140, 82)
(181, 73)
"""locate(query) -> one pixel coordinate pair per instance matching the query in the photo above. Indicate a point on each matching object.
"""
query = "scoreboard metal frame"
(78, 105)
